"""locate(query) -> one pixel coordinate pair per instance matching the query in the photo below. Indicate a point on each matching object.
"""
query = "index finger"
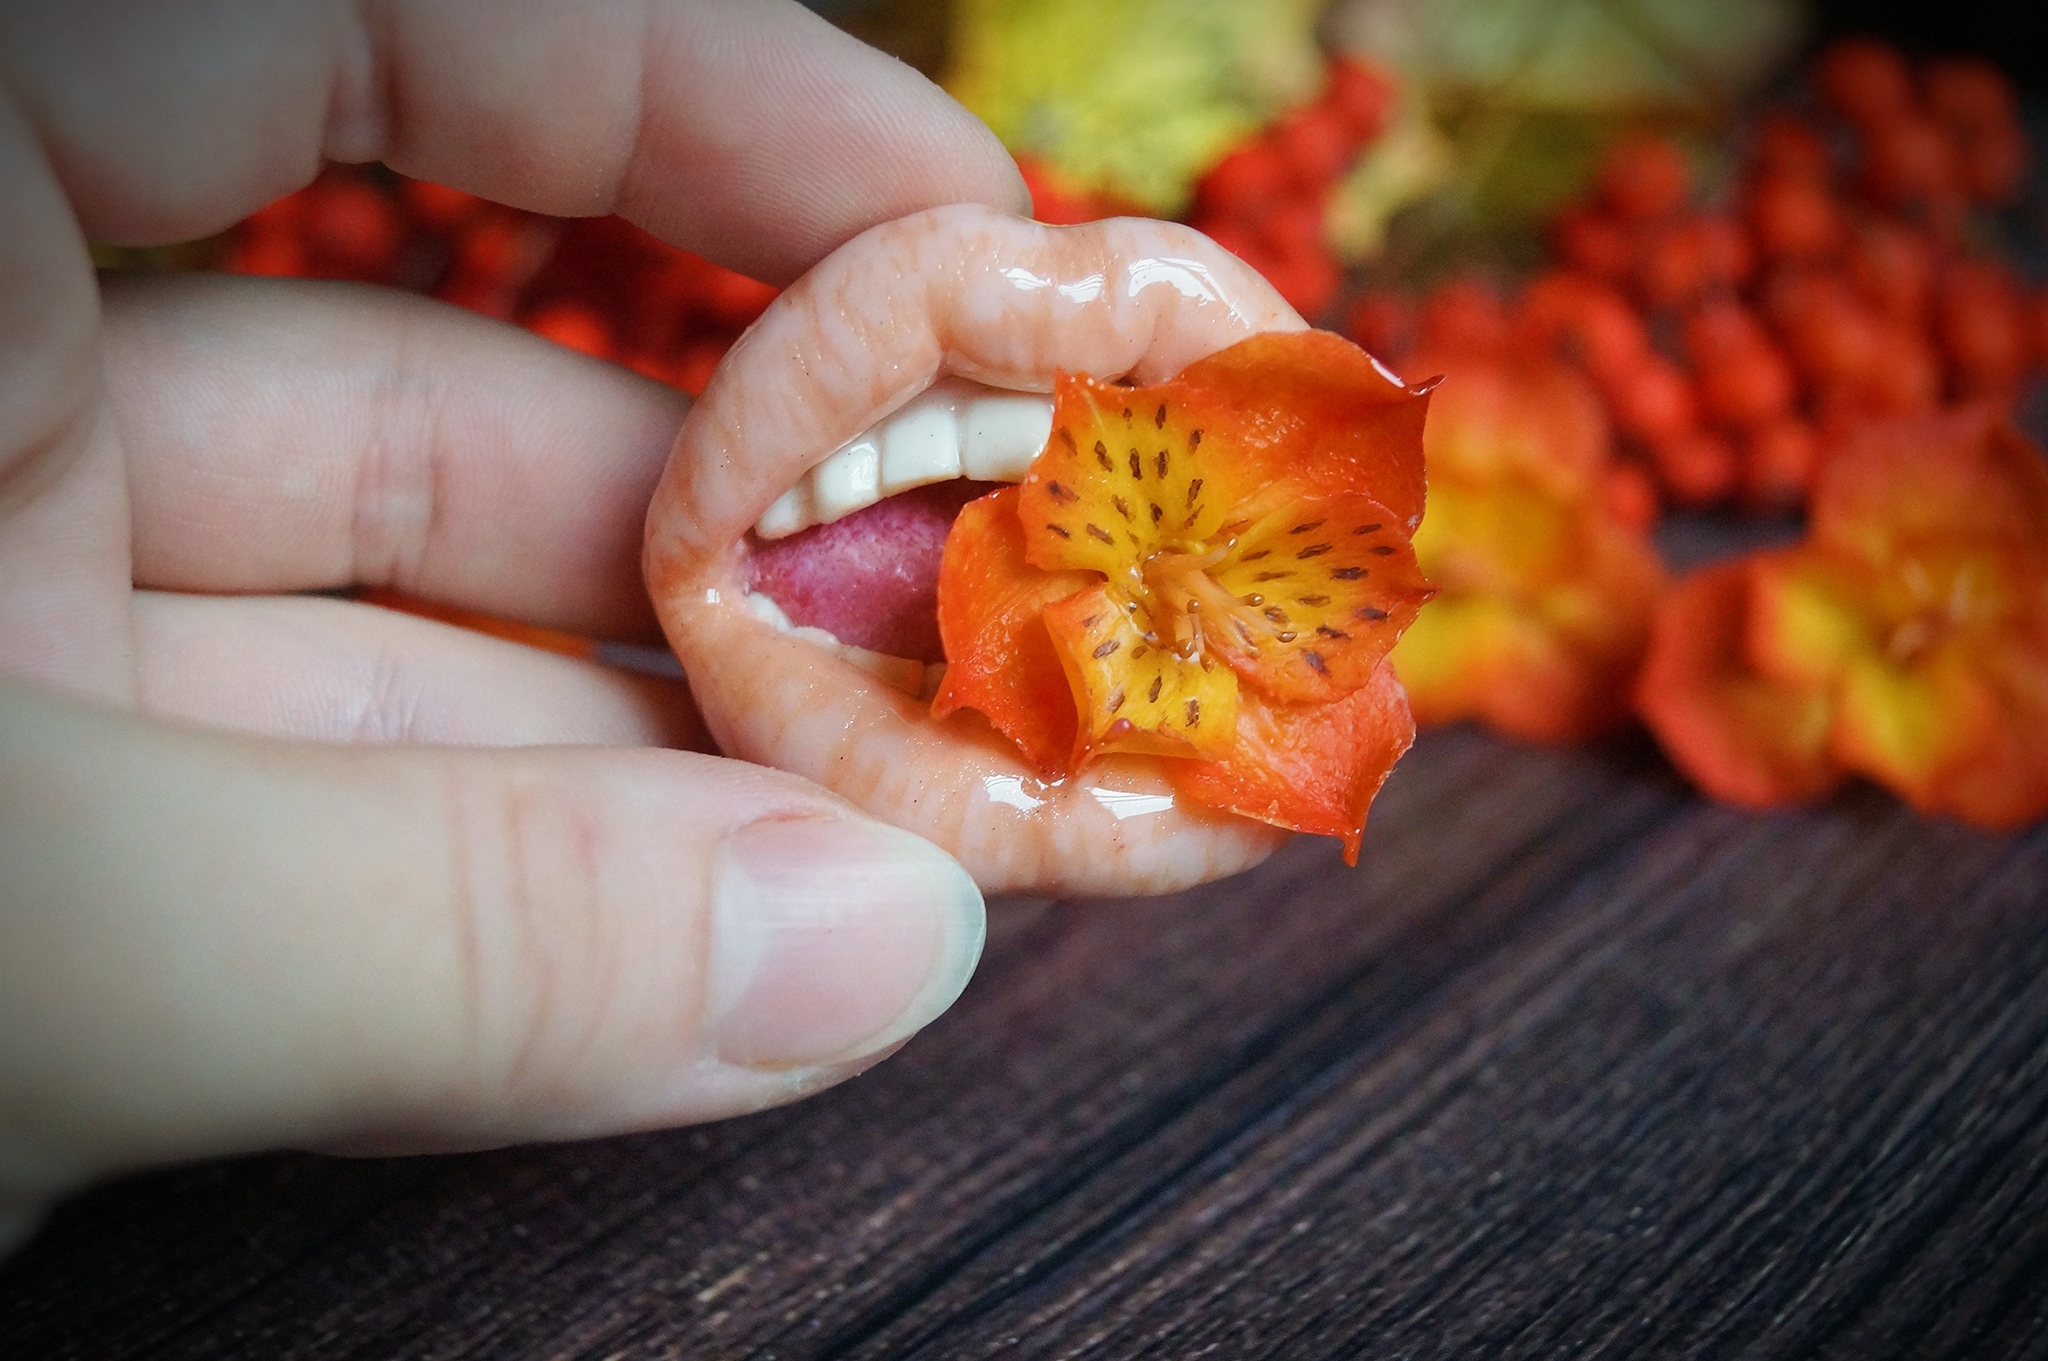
(750, 131)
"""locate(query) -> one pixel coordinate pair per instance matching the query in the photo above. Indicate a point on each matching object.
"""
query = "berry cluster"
(597, 285)
(1264, 201)
(1844, 282)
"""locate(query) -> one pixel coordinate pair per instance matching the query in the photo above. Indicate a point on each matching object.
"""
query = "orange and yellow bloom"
(1210, 570)
(1546, 590)
(1905, 640)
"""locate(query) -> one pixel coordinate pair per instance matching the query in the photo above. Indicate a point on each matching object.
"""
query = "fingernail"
(833, 940)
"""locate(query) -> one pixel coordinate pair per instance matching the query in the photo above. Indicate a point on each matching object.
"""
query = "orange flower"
(1905, 640)
(1546, 591)
(1209, 570)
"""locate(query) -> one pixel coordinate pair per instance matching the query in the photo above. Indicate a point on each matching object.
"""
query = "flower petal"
(1481, 657)
(1000, 658)
(1135, 693)
(1810, 617)
(1939, 733)
(1965, 473)
(1313, 596)
(1737, 735)
(1308, 767)
(1127, 472)
(1544, 614)
(1513, 415)
(1322, 415)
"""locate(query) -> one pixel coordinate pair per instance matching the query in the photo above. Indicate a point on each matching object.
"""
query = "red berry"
(1595, 242)
(1630, 496)
(693, 367)
(1833, 337)
(1793, 218)
(732, 300)
(353, 227)
(1464, 314)
(1672, 269)
(1652, 401)
(1992, 166)
(1864, 80)
(1892, 267)
(265, 249)
(1643, 178)
(435, 206)
(1308, 280)
(1292, 226)
(1315, 144)
(573, 325)
(1969, 94)
(1586, 321)
(1243, 183)
(1981, 321)
(1698, 467)
(287, 214)
(1238, 236)
(1785, 144)
(1905, 373)
(1747, 386)
(1362, 93)
(1720, 327)
(1908, 159)
(1779, 461)
(1726, 251)
(1383, 323)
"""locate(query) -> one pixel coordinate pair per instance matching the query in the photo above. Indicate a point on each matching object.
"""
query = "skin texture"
(965, 291)
(216, 940)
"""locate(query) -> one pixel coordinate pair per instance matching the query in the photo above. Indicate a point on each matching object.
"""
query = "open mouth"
(794, 543)
(852, 550)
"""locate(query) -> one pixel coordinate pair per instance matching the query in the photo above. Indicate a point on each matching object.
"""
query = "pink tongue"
(872, 578)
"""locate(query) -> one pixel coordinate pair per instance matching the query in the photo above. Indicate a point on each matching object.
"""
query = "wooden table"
(1573, 1064)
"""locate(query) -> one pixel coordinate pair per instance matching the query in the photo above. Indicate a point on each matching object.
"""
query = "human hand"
(425, 929)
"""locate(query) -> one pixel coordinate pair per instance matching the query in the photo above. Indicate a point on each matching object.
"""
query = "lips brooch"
(1071, 549)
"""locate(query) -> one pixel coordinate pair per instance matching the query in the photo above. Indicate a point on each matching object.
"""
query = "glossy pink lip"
(1002, 301)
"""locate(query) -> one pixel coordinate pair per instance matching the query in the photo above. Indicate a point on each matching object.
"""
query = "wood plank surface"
(1573, 1064)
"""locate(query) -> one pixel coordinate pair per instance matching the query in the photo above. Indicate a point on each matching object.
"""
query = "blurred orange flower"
(1546, 587)
(1906, 639)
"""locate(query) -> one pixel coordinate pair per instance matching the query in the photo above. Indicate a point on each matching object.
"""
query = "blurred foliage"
(1523, 96)
(1131, 97)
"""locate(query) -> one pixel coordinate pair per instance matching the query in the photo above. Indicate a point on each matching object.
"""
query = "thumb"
(210, 943)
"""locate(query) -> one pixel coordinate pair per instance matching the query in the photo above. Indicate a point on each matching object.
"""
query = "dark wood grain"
(1574, 1064)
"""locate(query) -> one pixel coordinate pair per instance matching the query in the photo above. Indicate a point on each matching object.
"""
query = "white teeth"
(792, 511)
(999, 436)
(765, 609)
(954, 428)
(848, 480)
(921, 444)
